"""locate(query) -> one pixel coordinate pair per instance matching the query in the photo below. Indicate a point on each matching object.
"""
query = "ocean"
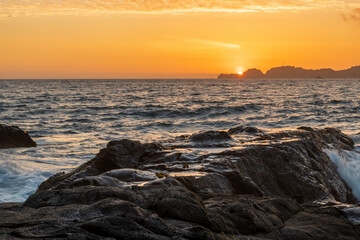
(71, 120)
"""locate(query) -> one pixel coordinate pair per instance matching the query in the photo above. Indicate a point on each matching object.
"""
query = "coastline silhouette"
(294, 72)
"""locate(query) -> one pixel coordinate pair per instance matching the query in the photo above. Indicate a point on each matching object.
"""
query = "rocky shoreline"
(277, 186)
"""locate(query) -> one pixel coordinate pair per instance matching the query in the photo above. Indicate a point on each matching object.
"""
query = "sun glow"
(240, 70)
(173, 39)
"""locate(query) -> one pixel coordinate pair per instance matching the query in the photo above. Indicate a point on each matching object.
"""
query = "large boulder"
(14, 137)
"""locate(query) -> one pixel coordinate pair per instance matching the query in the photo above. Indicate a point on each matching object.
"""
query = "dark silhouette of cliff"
(294, 72)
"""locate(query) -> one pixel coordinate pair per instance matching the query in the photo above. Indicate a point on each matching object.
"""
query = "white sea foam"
(352, 214)
(348, 166)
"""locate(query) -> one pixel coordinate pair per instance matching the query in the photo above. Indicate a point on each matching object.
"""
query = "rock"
(14, 137)
(117, 155)
(306, 129)
(130, 175)
(207, 183)
(246, 214)
(284, 190)
(306, 225)
(210, 136)
(243, 184)
(95, 181)
(242, 129)
(299, 170)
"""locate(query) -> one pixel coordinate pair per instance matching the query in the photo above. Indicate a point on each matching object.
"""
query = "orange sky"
(173, 39)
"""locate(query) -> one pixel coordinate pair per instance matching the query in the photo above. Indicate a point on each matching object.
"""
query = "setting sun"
(240, 73)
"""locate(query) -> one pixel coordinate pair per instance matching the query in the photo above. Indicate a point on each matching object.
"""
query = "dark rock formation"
(283, 190)
(210, 136)
(242, 129)
(13, 137)
(288, 72)
(253, 73)
(306, 129)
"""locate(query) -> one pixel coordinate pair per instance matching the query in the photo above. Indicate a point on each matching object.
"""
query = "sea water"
(72, 119)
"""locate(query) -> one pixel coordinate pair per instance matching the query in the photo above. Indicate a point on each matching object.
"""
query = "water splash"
(348, 166)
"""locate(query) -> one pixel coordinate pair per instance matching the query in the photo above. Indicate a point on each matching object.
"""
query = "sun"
(240, 70)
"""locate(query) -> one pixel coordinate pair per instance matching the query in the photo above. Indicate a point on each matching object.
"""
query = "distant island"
(294, 72)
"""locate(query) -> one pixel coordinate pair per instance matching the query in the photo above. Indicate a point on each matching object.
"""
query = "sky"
(173, 38)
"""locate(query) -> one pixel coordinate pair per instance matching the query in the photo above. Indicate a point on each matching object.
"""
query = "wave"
(348, 166)
(79, 120)
(335, 101)
(161, 124)
(210, 111)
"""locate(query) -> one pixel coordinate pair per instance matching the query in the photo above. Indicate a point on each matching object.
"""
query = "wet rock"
(274, 191)
(170, 199)
(86, 195)
(306, 129)
(120, 228)
(246, 214)
(243, 184)
(207, 183)
(14, 137)
(306, 225)
(118, 155)
(298, 170)
(130, 175)
(210, 136)
(243, 129)
(95, 181)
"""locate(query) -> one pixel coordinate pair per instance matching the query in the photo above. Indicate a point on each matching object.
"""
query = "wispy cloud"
(213, 44)
(90, 7)
(353, 16)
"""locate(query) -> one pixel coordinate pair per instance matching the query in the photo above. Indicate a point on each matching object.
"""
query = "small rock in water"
(309, 129)
(210, 136)
(161, 175)
(14, 137)
(242, 129)
(185, 165)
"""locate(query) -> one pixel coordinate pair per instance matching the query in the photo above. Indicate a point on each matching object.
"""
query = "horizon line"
(169, 78)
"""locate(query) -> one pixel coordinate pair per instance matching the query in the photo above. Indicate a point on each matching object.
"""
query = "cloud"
(212, 43)
(353, 16)
(93, 7)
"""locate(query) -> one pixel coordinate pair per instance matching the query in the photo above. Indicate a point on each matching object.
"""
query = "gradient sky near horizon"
(173, 38)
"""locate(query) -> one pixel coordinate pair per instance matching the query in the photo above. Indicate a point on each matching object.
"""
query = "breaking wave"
(348, 166)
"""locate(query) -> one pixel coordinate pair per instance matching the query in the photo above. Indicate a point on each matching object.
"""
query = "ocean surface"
(71, 120)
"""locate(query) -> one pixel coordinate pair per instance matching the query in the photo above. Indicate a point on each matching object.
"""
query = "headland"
(290, 72)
